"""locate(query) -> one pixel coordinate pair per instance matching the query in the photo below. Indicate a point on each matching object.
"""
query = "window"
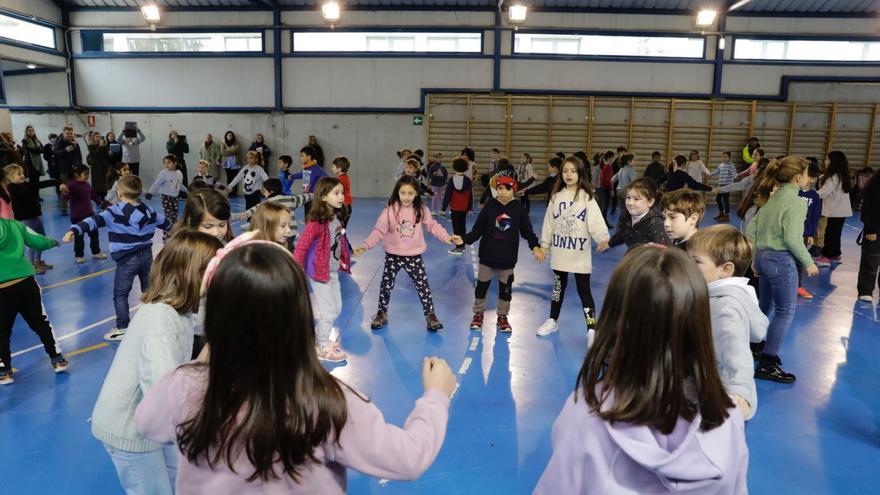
(609, 45)
(26, 32)
(807, 50)
(182, 42)
(341, 41)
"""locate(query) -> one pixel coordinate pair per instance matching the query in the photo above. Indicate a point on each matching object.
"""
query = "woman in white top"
(695, 167)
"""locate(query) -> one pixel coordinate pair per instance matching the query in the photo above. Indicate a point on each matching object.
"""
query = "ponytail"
(777, 173)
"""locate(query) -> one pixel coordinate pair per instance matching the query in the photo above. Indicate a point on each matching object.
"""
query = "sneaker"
(723, 218)
(45, 265)
(836, 259)
(39, 270)
(477, 321)
(590, 316)
(822, 261)
(379, 321)
(443, 214)
(591, 336)
(331, 353)
(334, 334)
(457, 251)
(100, 256)
(115, 334)
(59, 364)
(503, 325)
(769, 370)
(432, 322)
(804, 293)
(548, 327)
(866, 298)
(80, 260)
(6, 378)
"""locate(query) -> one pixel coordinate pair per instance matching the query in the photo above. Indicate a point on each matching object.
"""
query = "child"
(680, 178)
(723, 255)
(271, 223)
(695, 167)
(300, 426)
(438, 177)
(655, 170)
(834, 188)
(573, 221)
(499, 226)
(252, 176)
(209, 180)
(682, 211)
(130, 226)
(459, 200)
(641, 221)
(272, 191)
(401, 227)
(525, 176)
(340, 168)
(811, 224)
(546, 186)
(207, 212)
(284, 175)
(6, 211)
(606, 185)
(159, 340)
(310, 175)
(81, 195)
(777, 231)
(27, 210)
(870, 259)
(726, 172)
(168, 184)
(20, 294)
(115, 173)
(412, 169)
(322, 251)
(649, 413)
(625, 176)
(403, 155)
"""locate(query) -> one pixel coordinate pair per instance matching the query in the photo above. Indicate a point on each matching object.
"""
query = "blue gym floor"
(820, 435)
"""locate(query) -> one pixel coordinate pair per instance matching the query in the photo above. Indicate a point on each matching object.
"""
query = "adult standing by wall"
(115, 149)
(67, 156)
(178, 147)
(259, 145)
(131, 138)
(9, 151)
(33, 158)
(210, 152)
(319, 152)
(230, 150)
(100, 162)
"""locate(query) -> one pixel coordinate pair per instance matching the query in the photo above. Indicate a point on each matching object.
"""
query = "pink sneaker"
(822, 261)
(331, 353)
(836, 259)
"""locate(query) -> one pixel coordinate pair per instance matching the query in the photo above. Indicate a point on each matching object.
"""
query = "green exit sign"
(418, 120)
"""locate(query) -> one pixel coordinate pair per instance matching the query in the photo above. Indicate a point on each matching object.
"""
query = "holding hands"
(68, 236)
(602, 247)
(539, 254)
(456, 239)
(359, 250)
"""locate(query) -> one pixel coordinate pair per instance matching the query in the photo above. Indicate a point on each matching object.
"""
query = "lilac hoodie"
(593, 456)
(367, 443)
(399, 233)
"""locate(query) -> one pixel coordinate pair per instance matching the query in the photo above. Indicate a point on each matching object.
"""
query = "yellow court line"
(87, 349)
(77, 279)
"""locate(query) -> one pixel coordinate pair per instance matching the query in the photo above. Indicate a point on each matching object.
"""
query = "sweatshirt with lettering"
(573, 222)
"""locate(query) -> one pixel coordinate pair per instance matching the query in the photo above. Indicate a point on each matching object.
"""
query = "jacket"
(81, 196)
(679, 179)
(263, 150)
(835, 202)
(656, 171)
(310, 175)
(498, 228)
(211, 154)
(33, 149)
(313, 251)
(399, 232)
(14, 236)
(65, 160)
(870, 214)
(178, 149)
(230, 155)
(649, 229)
(25, 204)
(100, 162)
(814, 212)
(571, 224)
(459, 195)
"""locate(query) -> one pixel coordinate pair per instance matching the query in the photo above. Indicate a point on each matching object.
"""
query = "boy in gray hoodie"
(723, 255)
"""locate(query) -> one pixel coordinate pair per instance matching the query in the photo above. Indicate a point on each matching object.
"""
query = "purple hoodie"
(592, 456)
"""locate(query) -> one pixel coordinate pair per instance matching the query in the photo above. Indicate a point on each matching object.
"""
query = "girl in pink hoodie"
(257, 413)
(400, 228)
(649, 413)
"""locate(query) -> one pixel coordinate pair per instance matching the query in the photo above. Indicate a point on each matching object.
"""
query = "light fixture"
(706, 17)
(31, 66)
(330, 11)
(738, 5)
(151, 15)
(517, 14)
(721, 43)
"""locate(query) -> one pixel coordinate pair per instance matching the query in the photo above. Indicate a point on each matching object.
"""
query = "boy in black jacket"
(546, 186)
(498, 228)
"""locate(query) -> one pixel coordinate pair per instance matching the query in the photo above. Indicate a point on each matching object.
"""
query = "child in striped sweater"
(130, 226)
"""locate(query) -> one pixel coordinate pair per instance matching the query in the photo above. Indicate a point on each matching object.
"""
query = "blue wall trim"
(457, 55)
(68, 51)
(496, 55)
(827, 63)
(604, 58)
(172, 55)
(386, 29)
(2, 85)
(603, 32)
(29, 46)
(276, 58)
(31, 72)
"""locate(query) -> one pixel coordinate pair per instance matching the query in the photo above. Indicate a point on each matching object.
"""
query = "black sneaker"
(769, 370)
(503, 325)
(757, 350)
(477, 321)
(432, 322)
(59, 364)
(379, 321)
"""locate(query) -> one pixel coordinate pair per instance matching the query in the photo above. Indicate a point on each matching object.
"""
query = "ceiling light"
(330, 11)
(517, 14)
(738, 5)
(706, 17)
(31, 66)
(151, 14)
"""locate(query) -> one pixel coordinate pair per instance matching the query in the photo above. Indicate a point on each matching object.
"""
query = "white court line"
(73, 334)
(465, 365)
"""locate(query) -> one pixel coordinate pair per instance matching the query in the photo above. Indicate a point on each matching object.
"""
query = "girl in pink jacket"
(322, 250)
(400, 227)
(257, 413)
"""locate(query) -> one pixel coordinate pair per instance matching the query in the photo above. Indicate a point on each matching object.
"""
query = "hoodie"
(591, 455)
(736, 321)
(14, 236)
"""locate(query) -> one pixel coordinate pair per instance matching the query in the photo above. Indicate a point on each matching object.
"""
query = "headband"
(243, 240)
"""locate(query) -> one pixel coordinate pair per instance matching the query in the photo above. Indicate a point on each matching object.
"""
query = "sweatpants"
(79, 243)
(414, 266)
(231, 173)
(24, 298)
(582, 281)
(459, 225)
(833, 232)
(868, 266)
(326, 306)
(251, 200)
(505, 288)
(723, 201)
(170, 206)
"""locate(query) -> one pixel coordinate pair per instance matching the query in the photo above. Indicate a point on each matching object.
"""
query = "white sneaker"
(115, 334)
(548, 327)
(866, 298)
(591, 336)
(334, 334)
(100, 256)
(80, 259)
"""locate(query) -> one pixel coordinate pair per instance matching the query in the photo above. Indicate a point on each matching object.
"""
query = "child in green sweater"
(20, 294)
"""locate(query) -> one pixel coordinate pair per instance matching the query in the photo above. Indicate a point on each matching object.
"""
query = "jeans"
(134, 265)
(35, 224)
(777, 276)
(868, 266)
(147, 473)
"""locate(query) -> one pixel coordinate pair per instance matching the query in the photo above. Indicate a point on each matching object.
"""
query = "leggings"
(415, 268)
(560, 282)
(169, 206)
